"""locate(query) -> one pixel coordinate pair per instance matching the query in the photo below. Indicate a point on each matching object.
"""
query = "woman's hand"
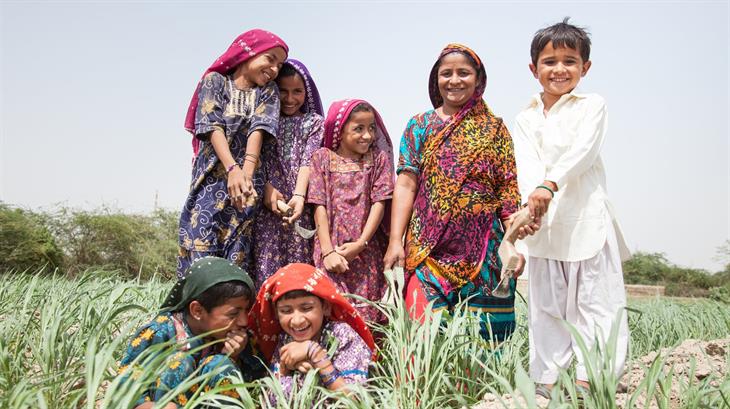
(294, 353)
(520, 266)
(335, 263)
(395, 255)
(271, 195)
(235, 343)
(297, 204)
(351, 250)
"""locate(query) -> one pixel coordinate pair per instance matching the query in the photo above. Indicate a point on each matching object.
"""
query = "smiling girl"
(234, 107)
(350, 185)
(214, 298)
(303, 323)
(286, 163)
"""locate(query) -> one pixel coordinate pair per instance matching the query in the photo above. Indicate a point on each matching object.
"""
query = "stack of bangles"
(327, 378)
(255, 159)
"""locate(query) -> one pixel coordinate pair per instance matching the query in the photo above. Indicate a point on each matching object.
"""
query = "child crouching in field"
(303, 323)
(351, 184)
(214, 295)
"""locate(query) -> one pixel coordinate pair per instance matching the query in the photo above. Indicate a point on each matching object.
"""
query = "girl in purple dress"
(286, 163)
(234, 108)
(351, 184)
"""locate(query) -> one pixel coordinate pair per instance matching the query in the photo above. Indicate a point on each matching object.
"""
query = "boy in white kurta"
(575, 258)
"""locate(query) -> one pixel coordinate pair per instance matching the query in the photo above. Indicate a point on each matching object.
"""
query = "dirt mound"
(699, 359)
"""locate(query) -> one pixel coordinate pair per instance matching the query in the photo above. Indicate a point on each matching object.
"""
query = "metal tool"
(288, 211)
(508, 254)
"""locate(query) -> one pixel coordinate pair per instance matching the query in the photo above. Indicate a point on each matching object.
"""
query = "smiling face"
(292, 94)
(264, 67)
(457, 80)
(558, 70)
(357, 134)
(302, 317)
(231, 315)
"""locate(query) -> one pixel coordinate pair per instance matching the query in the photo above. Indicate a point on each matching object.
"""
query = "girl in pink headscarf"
(351, 184)
(235, 106)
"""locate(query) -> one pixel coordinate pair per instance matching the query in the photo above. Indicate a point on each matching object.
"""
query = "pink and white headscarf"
(337, 117)
(244, 47)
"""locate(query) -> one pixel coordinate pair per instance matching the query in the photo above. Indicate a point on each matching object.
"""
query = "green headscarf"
(203, 274)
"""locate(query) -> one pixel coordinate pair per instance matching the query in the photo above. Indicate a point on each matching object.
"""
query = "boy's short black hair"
(287, 70)
(562, 34)
(222, 292)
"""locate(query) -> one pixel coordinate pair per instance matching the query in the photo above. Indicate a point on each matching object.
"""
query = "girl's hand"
(235, 343)
(293, 353)
(335, 263)
(297, 204)
(395, 255)
(271, 195)
(236, 187)
(350, 250)
(304, 366)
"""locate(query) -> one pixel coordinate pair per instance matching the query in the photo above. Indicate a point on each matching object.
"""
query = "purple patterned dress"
(276, 245)
(348, 189)
(350, 356)
(209, 224)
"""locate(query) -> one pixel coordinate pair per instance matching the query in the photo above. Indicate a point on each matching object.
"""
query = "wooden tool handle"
(284, 208)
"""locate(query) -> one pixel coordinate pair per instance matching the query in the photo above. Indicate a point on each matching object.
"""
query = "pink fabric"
(244, 47)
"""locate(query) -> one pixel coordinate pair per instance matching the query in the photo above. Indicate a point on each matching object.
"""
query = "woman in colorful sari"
(235, 106)
(455, 191)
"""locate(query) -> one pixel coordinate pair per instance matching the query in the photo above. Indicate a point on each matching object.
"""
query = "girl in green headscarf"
(214, 297)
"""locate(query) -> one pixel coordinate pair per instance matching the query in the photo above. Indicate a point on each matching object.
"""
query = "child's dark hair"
(287, 70)
(297, 294)
(562, 34)
(222, 292)
(361, 107)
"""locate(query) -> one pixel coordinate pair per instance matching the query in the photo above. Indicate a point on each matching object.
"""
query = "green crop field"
(60, 341)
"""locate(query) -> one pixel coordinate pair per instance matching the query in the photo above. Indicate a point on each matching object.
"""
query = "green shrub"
(132, 244)
(655, 269)
(25, 241)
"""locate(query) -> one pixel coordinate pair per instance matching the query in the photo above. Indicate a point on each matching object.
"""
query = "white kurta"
(564, 147)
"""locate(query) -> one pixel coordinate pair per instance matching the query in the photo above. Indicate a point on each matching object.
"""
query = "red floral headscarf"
(297, 276)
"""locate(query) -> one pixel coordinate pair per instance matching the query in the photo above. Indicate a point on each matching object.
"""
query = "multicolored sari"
(466, 185)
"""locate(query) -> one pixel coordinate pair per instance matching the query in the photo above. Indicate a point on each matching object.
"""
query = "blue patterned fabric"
(209, 224)
(181, 364)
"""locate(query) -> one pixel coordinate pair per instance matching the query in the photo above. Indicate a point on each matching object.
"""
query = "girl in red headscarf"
(234, 107)
(302, 323)
(350, 184)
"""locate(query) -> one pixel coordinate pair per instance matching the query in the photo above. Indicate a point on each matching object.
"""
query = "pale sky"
(93, 94)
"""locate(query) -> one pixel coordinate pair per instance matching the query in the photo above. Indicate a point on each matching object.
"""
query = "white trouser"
(587, 294)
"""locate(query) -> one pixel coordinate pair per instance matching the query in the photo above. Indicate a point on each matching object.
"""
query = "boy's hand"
(538, 202)
(271, 195)
(335, 263)
(235, 343)
(350, 250)
(297, 205)
(293, 353)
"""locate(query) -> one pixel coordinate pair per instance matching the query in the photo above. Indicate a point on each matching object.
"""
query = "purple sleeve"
(317, 192)
(211, 102)
(352, 358)
(314, 139)
(383, 176)
(266, 115)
